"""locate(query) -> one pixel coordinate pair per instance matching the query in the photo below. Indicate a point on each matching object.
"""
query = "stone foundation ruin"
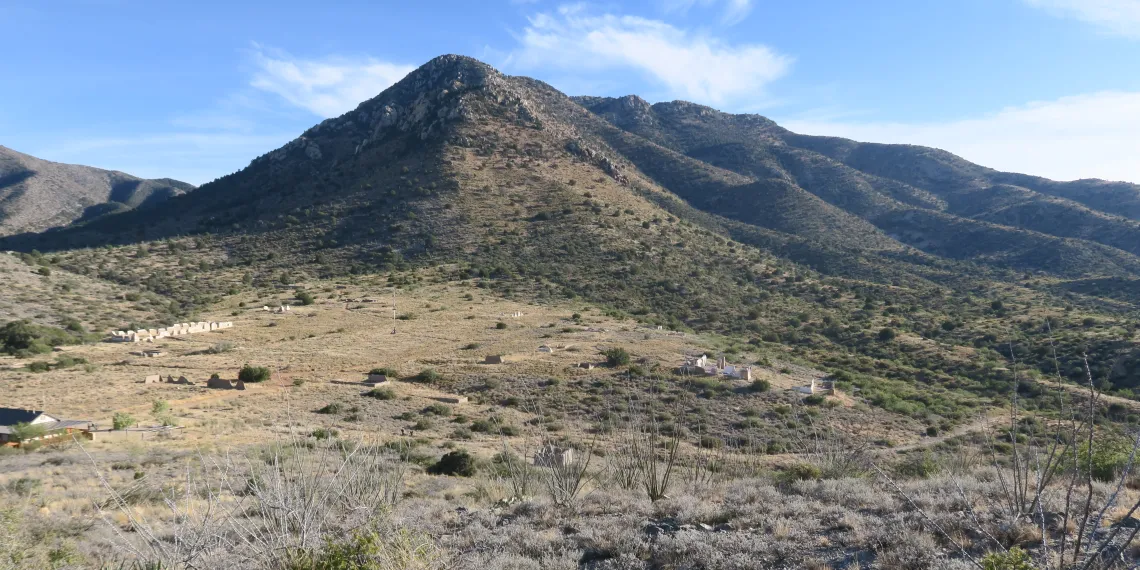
(177, 329)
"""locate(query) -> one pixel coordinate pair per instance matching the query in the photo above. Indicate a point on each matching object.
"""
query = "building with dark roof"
(46, 427)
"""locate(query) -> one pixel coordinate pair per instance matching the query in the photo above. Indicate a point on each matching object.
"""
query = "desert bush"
(329, 409)
(427, 376)
(1013, 559)
(27, 432)
(376, 547)
(253, 374)
(458, 463)
(381, 394)
(122, 420)
(221, 347)
(385, 371)
(799, 472)
(437, 409)
(759, 385)
(39, 366)
(617, 357)
(23, 486)
(25, 337)
(919, 466)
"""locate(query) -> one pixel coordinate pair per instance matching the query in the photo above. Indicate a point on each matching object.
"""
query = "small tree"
(305, 297)
(122, 420)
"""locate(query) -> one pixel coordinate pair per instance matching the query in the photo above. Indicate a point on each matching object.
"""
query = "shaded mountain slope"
(926, 198)
(36, 194)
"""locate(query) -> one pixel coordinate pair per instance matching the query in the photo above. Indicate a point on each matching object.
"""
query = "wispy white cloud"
(326, 87)
(1116, 16)
(1082, 136)
(682, 63)
(734, 11)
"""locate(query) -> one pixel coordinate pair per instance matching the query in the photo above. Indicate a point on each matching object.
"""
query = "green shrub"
(617, 357)
(427, 376)
(323, 433)
(27, 337)
(500, 325)
(367, 549)
(305, 298)
(437, 410)
(219, 348)
(800, 472)
(39, 366)
(458, 462)
(711, 442)
(1109, 458)
(27, 432)
(386, 371)
(381, 394)
(122, 420)
(333, 408)
(887, 334)
(24, 486)
(919, 466)
(253, 374)
(759, 385)
(1014, 559)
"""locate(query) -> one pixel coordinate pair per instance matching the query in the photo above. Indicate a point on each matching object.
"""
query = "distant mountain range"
(37, 195)
(416, 162)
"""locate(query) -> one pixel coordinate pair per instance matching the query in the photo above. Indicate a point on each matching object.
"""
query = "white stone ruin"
(177, 329)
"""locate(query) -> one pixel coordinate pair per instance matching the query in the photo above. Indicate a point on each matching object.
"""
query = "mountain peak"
(445, 91)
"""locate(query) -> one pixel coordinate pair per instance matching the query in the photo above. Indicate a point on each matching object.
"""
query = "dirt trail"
(1083, 391)
(978, 424)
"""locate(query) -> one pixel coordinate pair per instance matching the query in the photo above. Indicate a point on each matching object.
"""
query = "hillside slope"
(926, 198)
(36, 195)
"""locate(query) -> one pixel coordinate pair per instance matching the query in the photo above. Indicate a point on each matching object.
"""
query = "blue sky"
(195, 90)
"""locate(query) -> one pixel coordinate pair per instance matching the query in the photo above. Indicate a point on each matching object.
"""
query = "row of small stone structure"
(213, 382)
(177, 329)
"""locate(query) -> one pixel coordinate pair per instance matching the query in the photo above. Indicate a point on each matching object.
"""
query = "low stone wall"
(177, 329)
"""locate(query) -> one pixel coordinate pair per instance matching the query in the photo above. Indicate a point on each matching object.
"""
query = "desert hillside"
(37, 195)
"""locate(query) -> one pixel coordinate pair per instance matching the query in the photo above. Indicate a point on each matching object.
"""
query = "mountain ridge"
(839, 193)
(37, 194)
